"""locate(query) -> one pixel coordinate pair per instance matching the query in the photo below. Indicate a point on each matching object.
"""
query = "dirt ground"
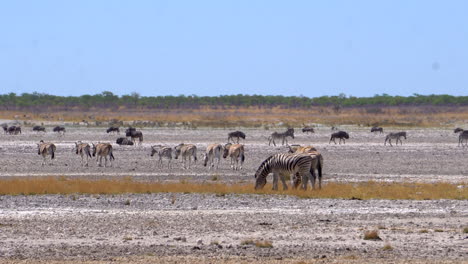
(192, 228)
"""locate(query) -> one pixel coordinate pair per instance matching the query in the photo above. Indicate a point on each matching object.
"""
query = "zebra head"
(94, 150)
(153, 150)
(177, 150)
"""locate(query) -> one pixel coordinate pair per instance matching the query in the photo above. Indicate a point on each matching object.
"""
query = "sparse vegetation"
(365, 190)
(438, 230)
(372, 235)
(465, 230)
(387, 247)
(423, 231)
(214, 177)
(127, 202)
(257, 243)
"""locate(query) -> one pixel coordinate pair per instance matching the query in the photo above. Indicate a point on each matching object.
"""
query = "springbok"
(45, 149)
(235, 152)
(316, 164)
(213, 152)
(236, 134)
(84, 150)
(102, 150)
(163, 152)
(186, 151)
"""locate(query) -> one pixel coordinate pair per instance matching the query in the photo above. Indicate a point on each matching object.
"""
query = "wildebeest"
(213, 151)
(308, 130)
(45, 149)
(377, 129)
(39, 129)
(113, 130)
(342, 135)
(458, 130)
(5, 128)
(463, 137)
(84, 150)
(186, 151)
(102, 150)
(14, 130)
(283, 136)
(397, 136)
(133, 134)
(317, 164)
(60, 130)
(236, 134)
(124, 141)
(236, 153)
(163, 152)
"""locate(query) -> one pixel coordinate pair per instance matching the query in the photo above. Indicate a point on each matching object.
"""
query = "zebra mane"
(263, 165)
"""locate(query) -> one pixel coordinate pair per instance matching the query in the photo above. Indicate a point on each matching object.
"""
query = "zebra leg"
(305, 179)
(283, 181)
(275, 181)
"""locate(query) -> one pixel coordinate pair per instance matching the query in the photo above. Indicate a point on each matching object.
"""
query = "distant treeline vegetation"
(107, 99)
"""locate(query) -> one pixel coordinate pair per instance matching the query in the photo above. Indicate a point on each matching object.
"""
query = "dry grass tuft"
(423, 231)
(372, 235)
(365, 190)
(263, 244)
(465, 230)
(387, 247)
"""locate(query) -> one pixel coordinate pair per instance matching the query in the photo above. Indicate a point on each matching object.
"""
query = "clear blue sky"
(219, 47)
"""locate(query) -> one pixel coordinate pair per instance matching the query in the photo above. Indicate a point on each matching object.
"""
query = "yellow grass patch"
(366, 190)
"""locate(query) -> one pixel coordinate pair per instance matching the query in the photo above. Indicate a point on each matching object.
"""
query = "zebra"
(236, 134)
(163, 152)
(377, 129)
(39, 128)
(342, 135)
(124, 141)
(84, 150)
(317, 164)
(45, 149)
(14, 130)
(308, 129)
(397, 136)
(283, 163)
(60, 130)
(102, 150)
(213, 152)
(283, 136)
(133, 133)
(186, 151)
(235, 152)
(463, 137)
(113, 130)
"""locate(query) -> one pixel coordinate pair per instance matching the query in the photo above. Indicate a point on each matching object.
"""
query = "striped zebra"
(317, 164)
(45, 149)
(283, 136)
(102, 150)
(163, 152)
(463, 137)
(236, 153)
(186, 151)
(213, 152)
(397, 136)
(84, 150)
(279, 164)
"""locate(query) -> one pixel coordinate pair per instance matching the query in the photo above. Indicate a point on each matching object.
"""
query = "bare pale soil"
(196, 228)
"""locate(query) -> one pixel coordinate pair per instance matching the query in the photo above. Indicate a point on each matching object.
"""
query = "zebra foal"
(84, 150)
(45, 149)
(102, 150)
(163, 152)
(236, 153)
(213, 152)
(186, 151)
(279, 164)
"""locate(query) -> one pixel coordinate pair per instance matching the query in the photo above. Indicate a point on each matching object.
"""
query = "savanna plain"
(379, 204)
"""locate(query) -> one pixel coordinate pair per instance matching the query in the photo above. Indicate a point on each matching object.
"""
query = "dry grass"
(372, 235)
(387, 247)
(257, 243)
(366, 190)
(465, 230)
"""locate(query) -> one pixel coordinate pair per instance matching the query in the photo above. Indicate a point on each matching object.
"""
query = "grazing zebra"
(102, 150)
(186, 151)
(308, 129)
(133, 133)
(236, 134)
(60, 130)
(283, 136)
(163, 152)
(213, 152)
(84, 150)
(377, 129)
(124, 141)
(397, 136)
(458, 130)
(235, 152)
(39, 129)
(113, 130)
(283, 163)
(342, 135)
(463, 137)
(317, 164)
(14, 130)
(45, 149)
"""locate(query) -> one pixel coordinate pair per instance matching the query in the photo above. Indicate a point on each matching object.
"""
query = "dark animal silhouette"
(341, 135)
(377, 129)
(14, 130)
(236, 134)
(308, 130)
(458, 130)
(59, 129)
(39, 128)
(133, 134)
(124, 141)
(113, 130)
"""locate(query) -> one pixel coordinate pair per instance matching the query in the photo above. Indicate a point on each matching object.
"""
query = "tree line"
(107, 99)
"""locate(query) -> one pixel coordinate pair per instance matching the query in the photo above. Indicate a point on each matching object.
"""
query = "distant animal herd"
(304, 163)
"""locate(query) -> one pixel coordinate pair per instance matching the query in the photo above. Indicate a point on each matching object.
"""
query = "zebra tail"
(242, 157)
(53, 154)
(141, 138)
(112, 156)
(319, 168)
